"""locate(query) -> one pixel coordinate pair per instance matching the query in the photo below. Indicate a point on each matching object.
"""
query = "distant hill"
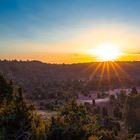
(31, 74)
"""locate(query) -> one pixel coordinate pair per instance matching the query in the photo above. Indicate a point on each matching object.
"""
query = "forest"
(34, 76)
(20, 102)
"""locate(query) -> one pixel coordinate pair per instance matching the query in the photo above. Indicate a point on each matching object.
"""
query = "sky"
(63, 31)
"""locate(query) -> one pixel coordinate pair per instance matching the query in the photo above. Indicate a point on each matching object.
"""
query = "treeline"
(20, 121)
(50, 80)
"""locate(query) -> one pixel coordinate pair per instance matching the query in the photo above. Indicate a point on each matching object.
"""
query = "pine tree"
(18, 119)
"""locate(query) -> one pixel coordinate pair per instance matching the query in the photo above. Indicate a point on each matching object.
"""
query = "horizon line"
(34, 60)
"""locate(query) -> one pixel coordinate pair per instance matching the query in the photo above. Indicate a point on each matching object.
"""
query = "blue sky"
(22, 19)
(58, 20)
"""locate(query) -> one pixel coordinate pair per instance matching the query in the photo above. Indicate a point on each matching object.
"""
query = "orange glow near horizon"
(103, 43)
(67, 58)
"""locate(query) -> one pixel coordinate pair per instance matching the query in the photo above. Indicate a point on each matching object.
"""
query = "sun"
(106, 52)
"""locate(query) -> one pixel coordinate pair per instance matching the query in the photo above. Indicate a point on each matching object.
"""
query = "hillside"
(33, 75)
